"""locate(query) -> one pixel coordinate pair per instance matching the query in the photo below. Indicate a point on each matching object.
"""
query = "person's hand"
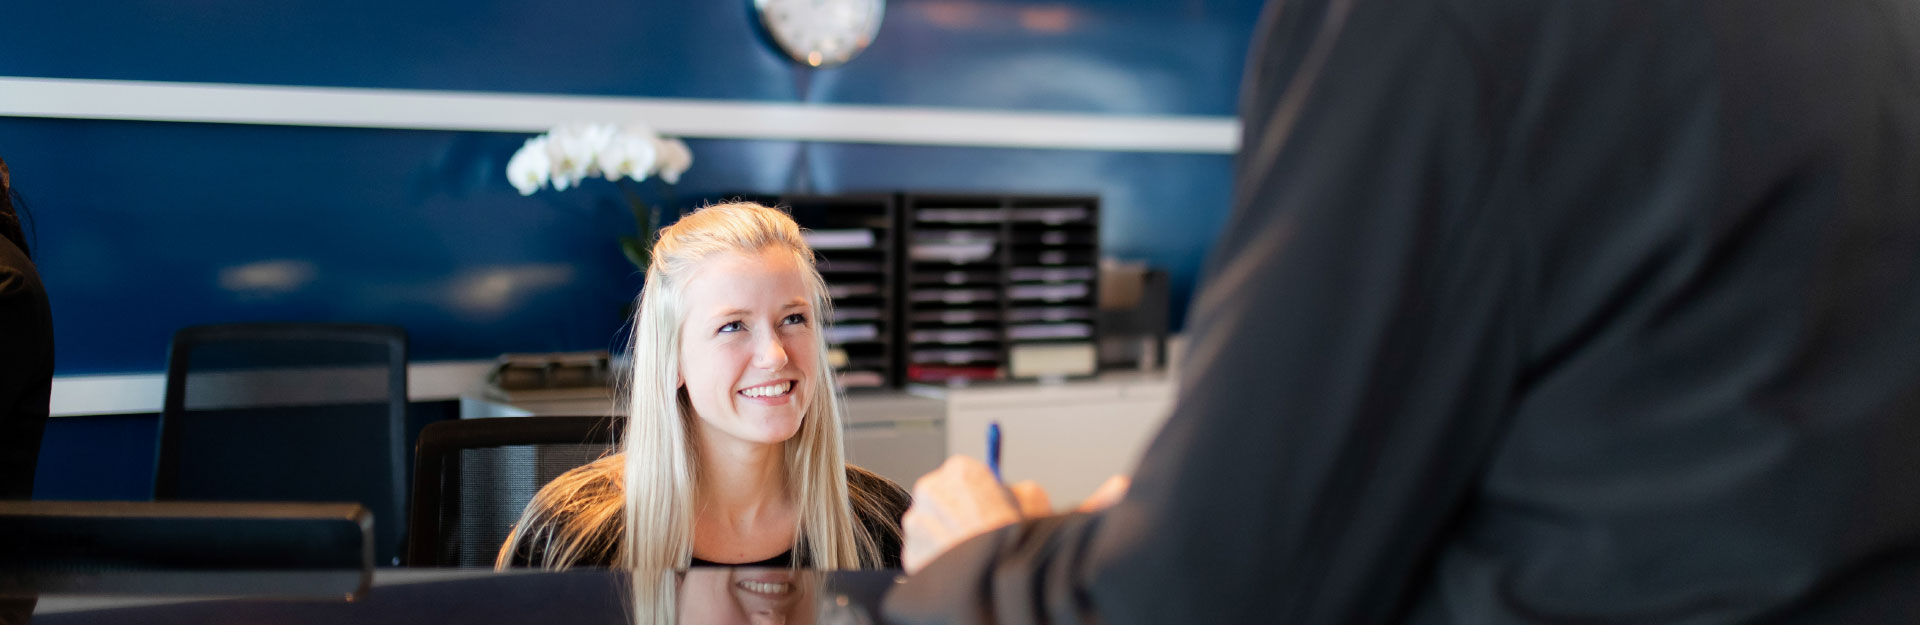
(962, 499)
(1110, 492)
(1033, 499)
(955, 502)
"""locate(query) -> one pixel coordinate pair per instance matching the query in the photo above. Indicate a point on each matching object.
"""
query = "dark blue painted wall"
(1128, 56)
(111, 457)
(146, 227)
(100, 458)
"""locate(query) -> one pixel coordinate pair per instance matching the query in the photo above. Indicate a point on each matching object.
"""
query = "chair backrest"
(288, 412)
(473, 478)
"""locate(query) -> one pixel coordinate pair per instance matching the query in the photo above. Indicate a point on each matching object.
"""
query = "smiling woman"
(732, 455)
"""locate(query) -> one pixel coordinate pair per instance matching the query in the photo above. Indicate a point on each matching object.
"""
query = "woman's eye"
(796, 319)
(733, 326)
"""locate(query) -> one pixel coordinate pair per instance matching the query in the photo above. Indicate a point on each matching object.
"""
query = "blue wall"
(142, 228)
(111, 457)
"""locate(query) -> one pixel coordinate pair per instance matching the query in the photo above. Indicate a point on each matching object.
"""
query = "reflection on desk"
(581, 597)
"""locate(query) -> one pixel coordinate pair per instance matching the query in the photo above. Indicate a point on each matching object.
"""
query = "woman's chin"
(781, 435)
(774, 430)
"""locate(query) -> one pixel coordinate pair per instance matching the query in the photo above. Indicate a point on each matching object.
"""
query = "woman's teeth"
(765, 588)
(770, 390)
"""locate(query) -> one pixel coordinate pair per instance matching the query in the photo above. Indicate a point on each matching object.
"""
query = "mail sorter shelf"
(1053, 286)
(954, 277)
(856, 245)
(999, 286)
(956, 267)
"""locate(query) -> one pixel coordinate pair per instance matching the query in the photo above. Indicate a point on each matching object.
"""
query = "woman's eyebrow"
(741, 312)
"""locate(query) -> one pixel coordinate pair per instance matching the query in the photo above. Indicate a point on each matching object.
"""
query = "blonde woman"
(732, 454)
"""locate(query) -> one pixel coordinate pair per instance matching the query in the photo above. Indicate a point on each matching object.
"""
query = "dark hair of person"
(9, 219)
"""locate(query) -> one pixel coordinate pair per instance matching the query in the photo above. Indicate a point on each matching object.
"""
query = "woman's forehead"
(768, 281)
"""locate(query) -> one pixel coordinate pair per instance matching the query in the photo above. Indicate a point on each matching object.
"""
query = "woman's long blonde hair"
(647, 488)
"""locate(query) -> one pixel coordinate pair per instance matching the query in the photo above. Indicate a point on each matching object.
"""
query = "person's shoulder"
(17, 274)
(575, 519)
(880, 505)
(895, 499)
(585, 487)
(600, 475)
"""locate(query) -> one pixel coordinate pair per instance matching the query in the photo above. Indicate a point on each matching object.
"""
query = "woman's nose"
(771, 355)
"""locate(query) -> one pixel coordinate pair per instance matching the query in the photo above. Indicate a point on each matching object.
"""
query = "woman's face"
(749, 346)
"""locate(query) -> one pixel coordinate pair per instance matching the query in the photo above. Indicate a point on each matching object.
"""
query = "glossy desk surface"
(472, 597)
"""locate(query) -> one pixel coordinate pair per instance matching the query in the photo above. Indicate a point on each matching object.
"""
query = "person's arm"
(1351, 355)
(26, 370)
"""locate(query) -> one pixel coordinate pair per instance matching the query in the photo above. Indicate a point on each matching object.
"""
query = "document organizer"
(1000, 286)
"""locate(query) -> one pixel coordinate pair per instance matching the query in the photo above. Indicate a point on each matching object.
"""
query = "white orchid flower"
(674, 159)
(599, 138)
(599, 135)
(631, 153)
(572, 149)
(529, 167)
(570, 153)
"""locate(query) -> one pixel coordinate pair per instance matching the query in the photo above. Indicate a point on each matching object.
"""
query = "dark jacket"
(26, 370)
(1532, 312)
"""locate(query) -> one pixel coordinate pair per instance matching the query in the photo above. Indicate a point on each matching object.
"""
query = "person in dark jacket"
(26, 352)
(1526, 312)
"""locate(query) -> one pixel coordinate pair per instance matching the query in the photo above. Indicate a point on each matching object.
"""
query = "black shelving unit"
(955, 288)
(999, 286)
(1053, 286)
(855, 241)
(954, 261)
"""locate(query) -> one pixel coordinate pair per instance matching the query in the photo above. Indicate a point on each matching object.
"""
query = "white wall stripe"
(508, 112)
(77, 395)
(107, 394)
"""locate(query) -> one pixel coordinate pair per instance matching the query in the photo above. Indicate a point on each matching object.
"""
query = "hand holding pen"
(993, 450)
(964, 498)
(1027, 495)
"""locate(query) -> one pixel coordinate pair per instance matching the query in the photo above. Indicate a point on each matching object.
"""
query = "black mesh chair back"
(291, 412)
(473, 478)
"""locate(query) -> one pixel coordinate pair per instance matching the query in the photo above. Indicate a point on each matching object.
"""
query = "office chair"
(288, 412)
(473, 477)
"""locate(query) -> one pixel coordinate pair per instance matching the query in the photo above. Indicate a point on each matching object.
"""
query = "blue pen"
(993, 448)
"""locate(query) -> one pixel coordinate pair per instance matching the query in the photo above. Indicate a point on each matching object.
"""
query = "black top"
(1532, 312)
(884, 528)
(26, 370)
(882, 525)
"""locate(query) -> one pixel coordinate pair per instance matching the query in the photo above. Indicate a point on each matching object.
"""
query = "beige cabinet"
(899, 436)
(1069, 436)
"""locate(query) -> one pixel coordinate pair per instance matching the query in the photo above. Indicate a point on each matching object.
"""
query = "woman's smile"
(774, 393)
